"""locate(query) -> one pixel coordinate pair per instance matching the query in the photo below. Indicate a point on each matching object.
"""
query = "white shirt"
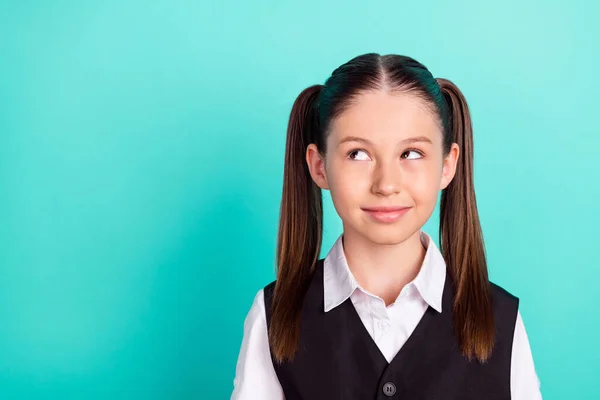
(389, 326)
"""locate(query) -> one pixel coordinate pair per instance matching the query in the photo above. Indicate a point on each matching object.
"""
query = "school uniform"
(354, 347)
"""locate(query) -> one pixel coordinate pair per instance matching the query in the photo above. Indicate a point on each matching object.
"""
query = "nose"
(387, 178)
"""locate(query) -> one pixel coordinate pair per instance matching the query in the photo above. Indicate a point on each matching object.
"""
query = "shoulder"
(254, 371)
(506, 308)
(267, 299)
(311, 290)
(255, 326)
(257, 309)
(501, 294)
(269, 289)
(315, 281)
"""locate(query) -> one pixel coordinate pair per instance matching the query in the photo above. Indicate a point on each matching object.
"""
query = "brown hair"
(301, 211)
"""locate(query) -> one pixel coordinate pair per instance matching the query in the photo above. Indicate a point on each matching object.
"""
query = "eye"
(356, 151)
(418, 153)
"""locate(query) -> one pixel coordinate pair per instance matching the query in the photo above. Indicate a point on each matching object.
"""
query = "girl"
(385, 315)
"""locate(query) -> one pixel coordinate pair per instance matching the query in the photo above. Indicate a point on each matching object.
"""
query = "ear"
(449, 166)
(316, 166)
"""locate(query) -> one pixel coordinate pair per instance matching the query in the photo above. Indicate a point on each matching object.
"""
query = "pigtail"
(461, 238)
(300, 227)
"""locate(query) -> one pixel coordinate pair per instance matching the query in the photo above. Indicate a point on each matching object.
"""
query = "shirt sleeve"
(524, 382)
(255, 376)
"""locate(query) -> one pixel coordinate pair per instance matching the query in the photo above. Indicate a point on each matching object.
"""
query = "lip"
(386, 214)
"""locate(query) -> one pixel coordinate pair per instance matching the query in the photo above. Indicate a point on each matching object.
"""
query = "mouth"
(386, 214)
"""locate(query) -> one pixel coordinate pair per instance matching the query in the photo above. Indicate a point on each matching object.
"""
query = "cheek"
(347, 185)
(424, 182)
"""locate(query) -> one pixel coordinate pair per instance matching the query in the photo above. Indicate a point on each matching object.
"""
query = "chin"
(388, 234)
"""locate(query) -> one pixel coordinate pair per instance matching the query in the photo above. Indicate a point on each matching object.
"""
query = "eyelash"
(419, 152)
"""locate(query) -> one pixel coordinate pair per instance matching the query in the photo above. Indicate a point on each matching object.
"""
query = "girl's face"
(384, 151)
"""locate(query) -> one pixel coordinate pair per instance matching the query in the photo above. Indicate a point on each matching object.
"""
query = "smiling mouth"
(386, 214)
(385, 208)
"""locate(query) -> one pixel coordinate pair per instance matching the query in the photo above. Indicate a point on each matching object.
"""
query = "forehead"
(386, 118)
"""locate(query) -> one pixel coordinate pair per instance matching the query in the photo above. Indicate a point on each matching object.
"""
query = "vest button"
(389, 389)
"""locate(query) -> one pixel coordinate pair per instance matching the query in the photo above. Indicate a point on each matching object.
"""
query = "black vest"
(338, 359)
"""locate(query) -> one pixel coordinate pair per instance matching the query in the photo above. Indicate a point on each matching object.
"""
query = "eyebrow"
(415, 139)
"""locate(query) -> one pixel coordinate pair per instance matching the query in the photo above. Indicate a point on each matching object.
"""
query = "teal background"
(141, 156)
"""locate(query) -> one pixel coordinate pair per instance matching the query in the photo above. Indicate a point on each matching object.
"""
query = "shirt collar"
(339, 283)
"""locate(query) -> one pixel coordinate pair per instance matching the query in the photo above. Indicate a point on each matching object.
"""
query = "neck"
(383, 269)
